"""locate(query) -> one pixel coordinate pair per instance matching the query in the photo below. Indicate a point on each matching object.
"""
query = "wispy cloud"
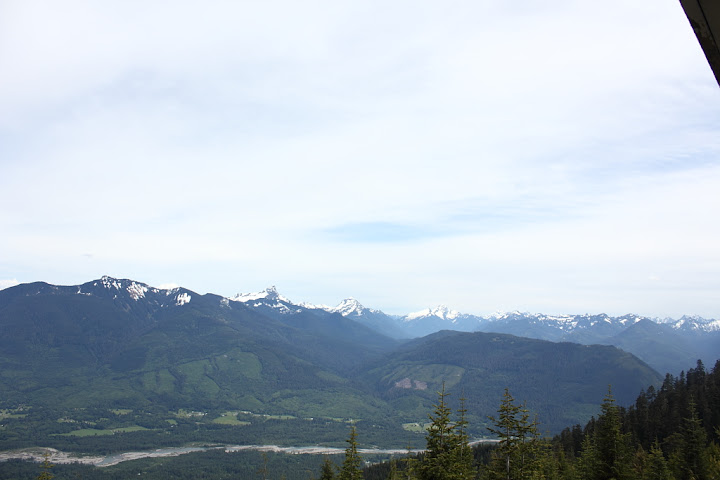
(380, 232)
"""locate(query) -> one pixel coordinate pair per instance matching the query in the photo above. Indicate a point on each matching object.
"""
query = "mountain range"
(121, 344)
(667, 345)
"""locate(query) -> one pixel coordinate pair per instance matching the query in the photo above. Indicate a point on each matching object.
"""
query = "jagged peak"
(696, 323)
(270, 293)
(349, 306)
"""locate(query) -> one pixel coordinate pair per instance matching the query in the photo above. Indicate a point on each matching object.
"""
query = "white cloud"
(552, 157)
(7, 283)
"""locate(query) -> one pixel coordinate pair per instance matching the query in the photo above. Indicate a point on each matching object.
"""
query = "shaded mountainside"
(658, 345)
(559, 381)
(667, 346)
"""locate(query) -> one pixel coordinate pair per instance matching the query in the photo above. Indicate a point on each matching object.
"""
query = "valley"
(115, 366)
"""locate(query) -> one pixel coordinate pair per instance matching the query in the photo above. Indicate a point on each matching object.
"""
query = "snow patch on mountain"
(134, 289)
(713, 326)
(137, 290)
(563, 322)
(281, 307)
(506, 315)
(696, 323)
(182, 299)
(313, 306)
(109, 282)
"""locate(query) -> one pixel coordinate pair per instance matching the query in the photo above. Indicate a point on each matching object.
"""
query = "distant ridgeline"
(667, 345)
(120, 344)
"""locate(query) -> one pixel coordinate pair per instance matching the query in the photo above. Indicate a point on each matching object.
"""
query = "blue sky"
(559, 158)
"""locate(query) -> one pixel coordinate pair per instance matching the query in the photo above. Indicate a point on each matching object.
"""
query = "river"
(57, 456)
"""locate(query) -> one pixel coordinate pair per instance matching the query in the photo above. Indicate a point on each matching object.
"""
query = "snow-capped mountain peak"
(348, 307)
(696, 323)
(269, 293)
(441, 311)
(268, 298)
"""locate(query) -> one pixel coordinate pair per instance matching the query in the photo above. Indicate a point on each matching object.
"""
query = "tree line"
(670, 433)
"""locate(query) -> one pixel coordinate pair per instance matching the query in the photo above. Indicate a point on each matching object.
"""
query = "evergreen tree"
(411, 466)
(263, 471)
(613, 447)
(640, 461)
(351, 467)
(327, 471)
(394, 473)
(436, 461)
(563, 468)
(588, 464)
(693, 442)
(519, 448)
(447, 455)
(656, 467)
(503, 466)
(46, 466)
(712, 456)
(464, 468)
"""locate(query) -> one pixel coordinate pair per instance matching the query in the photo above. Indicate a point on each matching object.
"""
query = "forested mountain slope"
(118, 342)
(559, 381)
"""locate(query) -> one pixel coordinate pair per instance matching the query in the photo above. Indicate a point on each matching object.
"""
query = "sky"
(553, 157)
